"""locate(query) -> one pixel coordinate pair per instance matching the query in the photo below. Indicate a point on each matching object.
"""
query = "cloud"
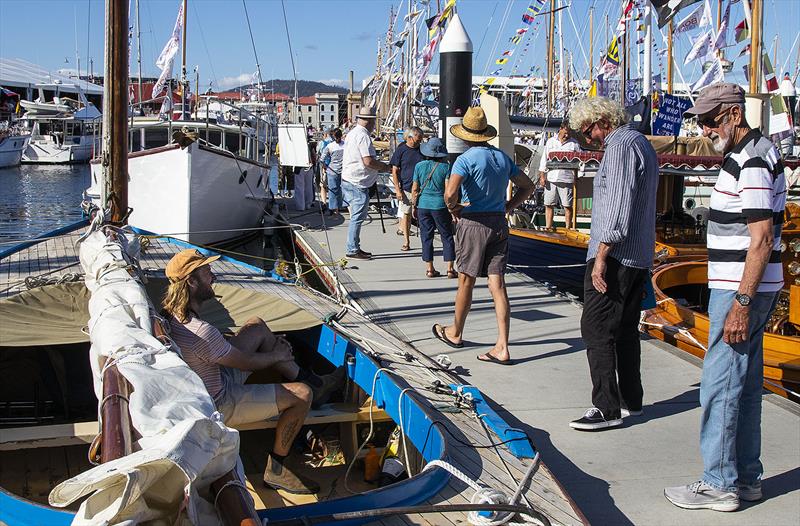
(233, 82)
(311, 47)
(334, 82)
(363, 36)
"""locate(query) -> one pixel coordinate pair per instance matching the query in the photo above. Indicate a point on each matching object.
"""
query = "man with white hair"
(745, 278)
(620, 254)
(404, 160)
(360, 166)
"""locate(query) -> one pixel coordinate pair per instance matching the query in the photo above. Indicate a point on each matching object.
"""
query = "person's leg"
(357, 200)
(323, 185)
(502, 311)
(334, 191)
(550, 201)
(405, 226)
(627, 344)
(599, 322)
(444, 224)
(426, 226)
(466, 284)
(748, 427)
(294, 402)
(549, 212)
(723, 378)
(255, 336)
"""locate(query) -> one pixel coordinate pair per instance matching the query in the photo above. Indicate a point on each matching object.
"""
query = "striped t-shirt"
(202, 345)
(751, 186)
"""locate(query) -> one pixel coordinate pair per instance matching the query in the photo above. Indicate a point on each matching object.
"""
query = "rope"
(235, 482)
(33, 282)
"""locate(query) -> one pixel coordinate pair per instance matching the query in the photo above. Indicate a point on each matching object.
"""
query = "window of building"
(309, 119)
(322, 118)
(309, 108)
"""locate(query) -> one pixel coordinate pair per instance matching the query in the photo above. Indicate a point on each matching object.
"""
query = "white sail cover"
(184, 445)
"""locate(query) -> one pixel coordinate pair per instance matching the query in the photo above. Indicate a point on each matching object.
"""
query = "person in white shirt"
(360, 166)
(557, 183)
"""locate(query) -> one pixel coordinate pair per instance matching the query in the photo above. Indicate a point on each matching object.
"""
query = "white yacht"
(63, 130)
(13, 138)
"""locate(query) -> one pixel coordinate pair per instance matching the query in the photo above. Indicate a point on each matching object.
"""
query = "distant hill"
(305, 88)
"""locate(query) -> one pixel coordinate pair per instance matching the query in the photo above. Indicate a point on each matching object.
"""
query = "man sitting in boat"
(558, 184)
(745, 277)
(224, 365)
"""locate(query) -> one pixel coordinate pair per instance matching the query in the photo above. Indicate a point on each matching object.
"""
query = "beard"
(722, 143)
(204, 292)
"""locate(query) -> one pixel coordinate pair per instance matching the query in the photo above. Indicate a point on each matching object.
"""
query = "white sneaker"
(699, 495)
(750, 492)
(627, 412)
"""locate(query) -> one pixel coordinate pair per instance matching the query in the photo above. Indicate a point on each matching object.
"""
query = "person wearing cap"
(745, 278)
(618, 260)
(360, 167)
(557, 184)
(481, 174)
(224, 365)
(427, 200)
(403, 161)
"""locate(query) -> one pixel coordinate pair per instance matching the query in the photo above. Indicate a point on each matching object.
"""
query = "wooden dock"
(616, 477)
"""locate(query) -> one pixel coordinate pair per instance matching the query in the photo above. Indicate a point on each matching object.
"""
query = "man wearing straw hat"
(481, 174)
(360, 166)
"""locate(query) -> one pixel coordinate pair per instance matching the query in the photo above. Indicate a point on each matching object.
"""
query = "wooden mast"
(184, 82)
(115, 112)
(755, 47)
(550, 58)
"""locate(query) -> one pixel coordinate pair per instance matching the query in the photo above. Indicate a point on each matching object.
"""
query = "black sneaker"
(364, 253)
(593, 420)
(358, 255)
(278, 476)
(327, 385)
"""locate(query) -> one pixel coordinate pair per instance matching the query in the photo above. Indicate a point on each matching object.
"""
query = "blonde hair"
(593, 109)
(176, 300)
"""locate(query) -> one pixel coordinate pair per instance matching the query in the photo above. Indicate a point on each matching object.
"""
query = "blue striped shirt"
(624, 199)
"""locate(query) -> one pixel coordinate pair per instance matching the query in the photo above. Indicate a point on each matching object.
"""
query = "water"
(38, 198)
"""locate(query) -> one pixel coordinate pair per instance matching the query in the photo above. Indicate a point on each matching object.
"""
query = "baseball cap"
(714, 95)
(185, 262)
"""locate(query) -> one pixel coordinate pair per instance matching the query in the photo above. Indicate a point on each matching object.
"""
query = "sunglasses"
(715, 121)
(588, 131)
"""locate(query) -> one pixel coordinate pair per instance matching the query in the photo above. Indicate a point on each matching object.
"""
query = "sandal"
(433, 273)
(452, 274)
(405, 248)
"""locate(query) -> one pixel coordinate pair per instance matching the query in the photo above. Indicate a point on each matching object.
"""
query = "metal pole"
(647, 88)
(183, 66)
(591, 44)
(669, 58)
(115, 111)
(550, 58)
(139, 50)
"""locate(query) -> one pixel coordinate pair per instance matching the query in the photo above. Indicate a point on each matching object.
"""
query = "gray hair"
(590, 110)
(415, 131)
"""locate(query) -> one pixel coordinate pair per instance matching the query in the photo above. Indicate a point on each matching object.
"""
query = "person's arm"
(451, 195)
(543, 164)
(375, 164)
(398, 190)
(254, 361)
(524, 190)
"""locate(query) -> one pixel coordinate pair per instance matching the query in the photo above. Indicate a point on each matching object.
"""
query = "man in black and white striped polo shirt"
(745, 277)
(620, 254)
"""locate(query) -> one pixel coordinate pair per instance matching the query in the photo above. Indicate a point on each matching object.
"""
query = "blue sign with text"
(670, 115)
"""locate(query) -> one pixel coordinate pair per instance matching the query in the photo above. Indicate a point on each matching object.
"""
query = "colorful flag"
(515, 39)
(508, 52)
(769, 73)
(702, 47)
(745, 50)
(522, 30)
(528, 19)
(667, 9)
(741, 31)
(690, 21)
(612, 55)
(706, 18)
(501, 61)
(713, 74)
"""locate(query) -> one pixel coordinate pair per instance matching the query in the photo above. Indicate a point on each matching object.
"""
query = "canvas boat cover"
(184, 445)
(59, 314)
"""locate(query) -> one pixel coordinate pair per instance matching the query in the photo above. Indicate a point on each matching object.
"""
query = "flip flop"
(491, 359)
(405, 248)
(440, 334)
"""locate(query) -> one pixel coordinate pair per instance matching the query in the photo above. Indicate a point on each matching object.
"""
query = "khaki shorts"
(245, 404)
(558, 193)
(482, 244)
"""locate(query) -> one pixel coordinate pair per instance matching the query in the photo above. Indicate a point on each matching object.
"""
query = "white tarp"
(293, 144)
(184, 445)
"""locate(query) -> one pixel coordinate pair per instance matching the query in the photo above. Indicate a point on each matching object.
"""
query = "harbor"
(435, 263)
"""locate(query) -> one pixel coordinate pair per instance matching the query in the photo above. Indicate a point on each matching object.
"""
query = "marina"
(510, 271)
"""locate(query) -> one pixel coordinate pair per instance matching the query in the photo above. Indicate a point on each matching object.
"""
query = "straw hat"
(474, 127)
(367, 112)
(185, 262)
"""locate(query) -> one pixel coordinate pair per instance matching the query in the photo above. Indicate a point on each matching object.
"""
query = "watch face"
(743, 299)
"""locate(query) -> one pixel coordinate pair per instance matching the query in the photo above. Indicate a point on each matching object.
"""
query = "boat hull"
(11, 148)
(47, 152)
(549, 257)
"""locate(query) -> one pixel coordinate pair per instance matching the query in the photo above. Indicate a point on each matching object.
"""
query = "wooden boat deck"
(616, 476)
(55, 258)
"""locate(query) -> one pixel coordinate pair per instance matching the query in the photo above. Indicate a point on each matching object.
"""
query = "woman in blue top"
(427, 193)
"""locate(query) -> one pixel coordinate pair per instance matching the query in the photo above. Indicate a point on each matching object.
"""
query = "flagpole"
(139, 50)
(550, 58)
(561, 77)
(183, 65)
(669, 59)
(591, 44)
(755, 48)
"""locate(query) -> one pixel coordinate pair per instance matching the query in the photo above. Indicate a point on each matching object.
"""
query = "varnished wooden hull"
(688, 329)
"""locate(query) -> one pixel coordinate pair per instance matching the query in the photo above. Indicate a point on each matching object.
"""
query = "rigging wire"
(490, 57)
(205, 45)
(487, 28)
(291, 53)
(253, 42)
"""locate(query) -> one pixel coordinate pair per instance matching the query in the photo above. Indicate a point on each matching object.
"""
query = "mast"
(625, 72)
(183, 65)
(647, 80)
(561, 76)
(591, 44)
(755, 47)
(550, 58)
(139, 49)
(669, 58)
(115, 112)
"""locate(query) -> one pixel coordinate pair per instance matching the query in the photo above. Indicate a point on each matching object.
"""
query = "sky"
(331, 37)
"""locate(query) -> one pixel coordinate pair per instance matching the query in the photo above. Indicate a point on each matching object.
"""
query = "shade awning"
(58, 314)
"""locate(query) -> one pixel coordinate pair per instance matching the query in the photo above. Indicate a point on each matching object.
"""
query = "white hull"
(11, 148)
(188, 192)
(48, 152)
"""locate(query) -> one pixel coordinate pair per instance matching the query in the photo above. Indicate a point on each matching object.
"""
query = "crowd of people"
(467, 204)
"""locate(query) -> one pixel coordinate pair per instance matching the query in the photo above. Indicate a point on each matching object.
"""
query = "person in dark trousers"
(745, 277)
(428, 206)
(620, 254)
(403, 161)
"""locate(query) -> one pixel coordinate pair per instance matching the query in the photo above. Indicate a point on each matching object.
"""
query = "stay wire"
(253, 42)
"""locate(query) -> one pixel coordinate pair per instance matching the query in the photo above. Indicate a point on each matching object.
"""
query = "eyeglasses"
(588, 131)
(715, 121)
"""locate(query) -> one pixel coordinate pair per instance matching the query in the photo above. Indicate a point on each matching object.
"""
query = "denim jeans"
(430, 220)
(334, 190)
(730, 395)
(357, 199)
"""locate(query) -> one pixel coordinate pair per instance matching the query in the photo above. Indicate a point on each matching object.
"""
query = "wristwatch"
(743, 299)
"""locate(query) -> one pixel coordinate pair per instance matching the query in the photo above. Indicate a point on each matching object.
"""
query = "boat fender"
(443, 360)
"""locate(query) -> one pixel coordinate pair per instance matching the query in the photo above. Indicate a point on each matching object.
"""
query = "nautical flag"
(592, 90)
(769, 73)
(490, 81)
(167, 56)
(667, 9)
(508, 52)
(745, 50)
(741, 32)
(641, 27)
(713, 74)
(501, 61)
(640, 40)
(702, 47)
(706, 19)
(515, 39)
(528, 19)
(522, 30)
(612, 55)
(722, 32)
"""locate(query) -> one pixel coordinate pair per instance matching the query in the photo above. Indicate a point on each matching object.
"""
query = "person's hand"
(599, 276)
(541, 181)
(414, 212)
(282, 350)
(455, 211)
(508, 207)
(736, 324)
